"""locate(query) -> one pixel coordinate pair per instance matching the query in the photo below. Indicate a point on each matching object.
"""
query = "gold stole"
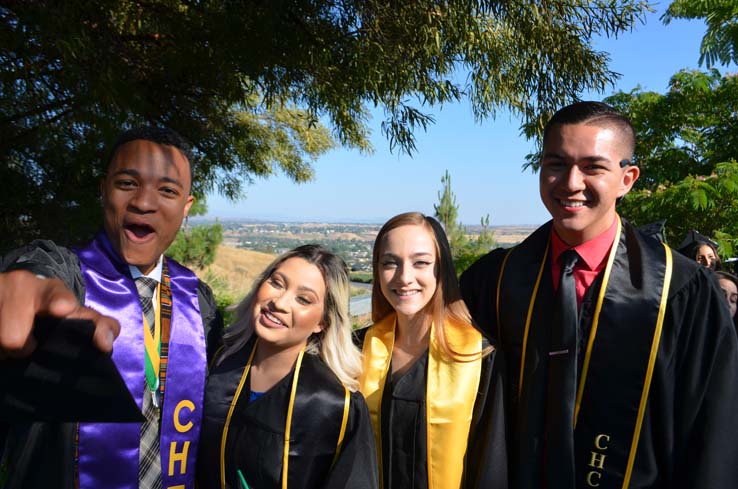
(451, 390)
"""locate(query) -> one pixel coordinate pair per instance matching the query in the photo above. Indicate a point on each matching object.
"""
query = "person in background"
(706, 255)
(729, 285)
(282, 408)
(434, 386)
(623, 360)
(121, 281)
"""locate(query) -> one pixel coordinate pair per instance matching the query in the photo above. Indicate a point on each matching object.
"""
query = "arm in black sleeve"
(486, 453)
(479, 291)
(46, 258)
(706, 387)
(356, 465)
(212, 319)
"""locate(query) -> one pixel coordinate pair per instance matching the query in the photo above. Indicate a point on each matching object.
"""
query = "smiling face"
(581, 179)
(145, 196)
(407, 269)
(288, 306)
(706, 257)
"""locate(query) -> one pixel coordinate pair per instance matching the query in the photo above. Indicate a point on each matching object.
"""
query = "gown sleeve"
(479, 289)
(46, 258)
(705, 386)
(356, 465)
(486, 457)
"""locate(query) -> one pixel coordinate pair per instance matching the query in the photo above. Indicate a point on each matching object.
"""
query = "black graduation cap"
(692, 241)
(65, 379)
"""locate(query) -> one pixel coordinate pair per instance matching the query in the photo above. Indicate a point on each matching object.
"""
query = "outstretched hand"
(23, 296)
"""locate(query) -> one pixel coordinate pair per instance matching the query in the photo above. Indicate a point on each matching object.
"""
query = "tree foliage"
(248, 83)
(196, 246)
(687, 151)
(465, 250)
(720, 42)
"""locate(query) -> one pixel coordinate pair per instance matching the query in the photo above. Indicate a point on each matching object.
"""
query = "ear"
(188, 204)
(318, 327)
(630, 175)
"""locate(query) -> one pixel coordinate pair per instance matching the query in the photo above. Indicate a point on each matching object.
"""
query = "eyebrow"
(591, 159)
(136, 173)
(301, 287)
(413, 255)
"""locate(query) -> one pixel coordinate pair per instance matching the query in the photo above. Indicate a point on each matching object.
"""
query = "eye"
(553, 164)
(595, 168)
(389, 264)
(169, 191)
(423, 263)
(275, 282)
(305, 301)
(125, 184)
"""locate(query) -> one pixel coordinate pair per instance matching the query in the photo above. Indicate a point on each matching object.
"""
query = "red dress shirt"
(592, 259)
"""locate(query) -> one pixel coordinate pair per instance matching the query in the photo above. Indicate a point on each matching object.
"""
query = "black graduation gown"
(255, 445)
(404, 436)
(689, 429)
(26, 447)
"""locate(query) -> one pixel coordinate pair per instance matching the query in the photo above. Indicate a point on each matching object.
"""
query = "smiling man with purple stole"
(164, 315)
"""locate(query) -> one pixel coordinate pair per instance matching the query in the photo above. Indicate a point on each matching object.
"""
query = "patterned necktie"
(562, 380)
(149, 461)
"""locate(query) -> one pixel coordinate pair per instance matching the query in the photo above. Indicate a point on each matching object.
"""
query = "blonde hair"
(333, 343)
(446, 303)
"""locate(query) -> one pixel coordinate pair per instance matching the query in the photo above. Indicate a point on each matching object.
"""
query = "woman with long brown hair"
(432, 383)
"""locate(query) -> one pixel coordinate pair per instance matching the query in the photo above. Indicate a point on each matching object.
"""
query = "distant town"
(353, 242)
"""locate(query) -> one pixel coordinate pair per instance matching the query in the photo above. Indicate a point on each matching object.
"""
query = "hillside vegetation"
(233, 272)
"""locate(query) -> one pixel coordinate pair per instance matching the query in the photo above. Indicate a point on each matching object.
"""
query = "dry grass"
(235, 269)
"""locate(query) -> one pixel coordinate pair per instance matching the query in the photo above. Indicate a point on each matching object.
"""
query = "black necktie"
(149, 461)
(562, 380)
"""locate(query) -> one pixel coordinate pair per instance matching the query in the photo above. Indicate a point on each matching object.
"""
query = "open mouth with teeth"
(406, 293)
(270, 320)
(572, 203)
(139, 232)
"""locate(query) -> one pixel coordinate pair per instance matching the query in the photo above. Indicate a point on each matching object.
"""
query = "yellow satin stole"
(451, 390)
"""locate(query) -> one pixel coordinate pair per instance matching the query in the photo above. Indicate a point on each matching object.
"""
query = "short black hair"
(155, 134)
(596, 114)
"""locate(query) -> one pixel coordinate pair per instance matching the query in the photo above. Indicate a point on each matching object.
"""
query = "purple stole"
(108, 452)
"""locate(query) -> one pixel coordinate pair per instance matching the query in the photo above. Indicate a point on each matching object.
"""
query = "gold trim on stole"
(451, 391)
(596, 319)
(288, 421)
(230, 413)
(651, 365)
(593, 332)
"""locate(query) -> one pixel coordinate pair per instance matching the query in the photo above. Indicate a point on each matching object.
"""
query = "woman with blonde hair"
(432, 383)
(282, 408)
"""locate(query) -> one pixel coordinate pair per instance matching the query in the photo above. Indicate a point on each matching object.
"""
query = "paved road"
(360, 305)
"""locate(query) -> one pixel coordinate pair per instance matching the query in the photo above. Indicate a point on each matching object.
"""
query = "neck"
(413, 330)
(271, 364)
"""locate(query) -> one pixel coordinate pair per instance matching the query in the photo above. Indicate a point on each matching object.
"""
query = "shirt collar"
(155, 273)
(592, 252)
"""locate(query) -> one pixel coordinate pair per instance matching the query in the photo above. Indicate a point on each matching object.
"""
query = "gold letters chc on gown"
(451, 390)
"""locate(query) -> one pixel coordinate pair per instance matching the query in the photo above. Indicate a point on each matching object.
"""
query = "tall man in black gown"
(635, 385)
(158, 310)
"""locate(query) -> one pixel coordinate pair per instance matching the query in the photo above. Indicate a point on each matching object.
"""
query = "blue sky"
(484, 160)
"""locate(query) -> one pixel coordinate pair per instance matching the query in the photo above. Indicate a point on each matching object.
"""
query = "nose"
(574, 179)
(404, 274)
(145, 199)
(278, 301)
